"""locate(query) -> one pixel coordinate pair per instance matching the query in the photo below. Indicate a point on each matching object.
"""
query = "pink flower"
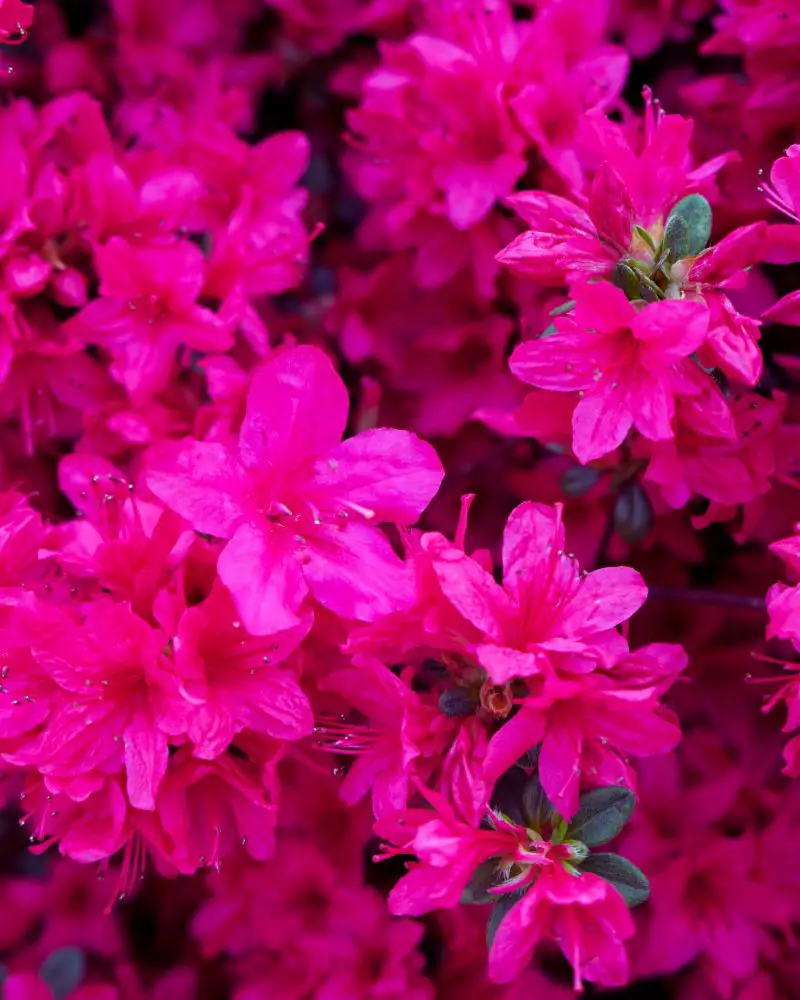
(147, 310)
(571, 239)
(546, 606)
(590, 727)
(229, 681)
(208, 810)
(389, 748)
(625, 365)
(449, 851)
(131, 547)
(585, 916)
(105, 676)
(296, 505)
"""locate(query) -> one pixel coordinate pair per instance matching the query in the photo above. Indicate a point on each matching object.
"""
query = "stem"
(708, 597)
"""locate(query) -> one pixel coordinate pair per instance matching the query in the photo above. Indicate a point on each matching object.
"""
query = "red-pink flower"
(571, 239)
(584, 915)
(390, 747)
(297, 506)
(104, 678)
(147, 310)
(546, 606)
(624, 364)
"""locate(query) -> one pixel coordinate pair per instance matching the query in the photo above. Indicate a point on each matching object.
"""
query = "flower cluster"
(399, 419)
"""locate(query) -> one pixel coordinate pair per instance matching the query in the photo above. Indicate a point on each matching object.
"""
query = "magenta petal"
(261, 568)
(513, 740)
(278, 707)
(390, 475)
(146, 757)
(559, 761)
(601, 422)
(782, 244)
(531, 534)
(606, 598)
(785, 310)
(296, 409)
(503, 664)
(469, 588)
(355, 573)
(516, 937)
(199, 480)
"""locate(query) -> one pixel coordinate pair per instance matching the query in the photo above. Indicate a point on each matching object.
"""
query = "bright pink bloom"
(590, 727)
(208, 810)
(625, 365)
(546, 606)
(585, 237)
(105, 677)
(147, 310)
(297, 505)
(585, 916)
(400, 731)
(229, 681)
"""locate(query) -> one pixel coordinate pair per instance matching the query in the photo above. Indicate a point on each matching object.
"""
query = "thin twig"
(708, 597)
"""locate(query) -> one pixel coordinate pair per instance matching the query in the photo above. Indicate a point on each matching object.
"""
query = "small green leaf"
(633, 513)
(499, 910)
(579, 480)
(455, 702)
(602, 814)
(63, 971)
(677, 238)
(508, 793)
(565, 307)
(645, 236)
(536, 806)
(624, 277)
(485, 876)
(626, 878)
(695, 212)
(549, 331)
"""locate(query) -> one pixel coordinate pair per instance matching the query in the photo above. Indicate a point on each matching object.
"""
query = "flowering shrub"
(399, 533)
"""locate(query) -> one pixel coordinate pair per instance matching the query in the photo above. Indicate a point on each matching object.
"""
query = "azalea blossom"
(298, 506)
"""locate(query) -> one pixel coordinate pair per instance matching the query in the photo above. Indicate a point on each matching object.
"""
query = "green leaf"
(579, 480)
(549, 331)
(536, 806)
(499, 910)
(63, 971)
(633, 513)
(626, 878)
(455, 702)
(485, 876)
(624, 277)
(695, 212)
(677, 238)
(645, 236)
(508, 793)
(602, 814)
(565, 307)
